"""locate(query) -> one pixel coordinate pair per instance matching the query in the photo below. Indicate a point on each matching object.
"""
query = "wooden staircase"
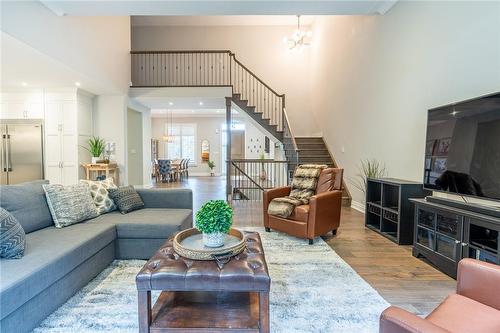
(259, 117)
(313, 150)
(221, 68)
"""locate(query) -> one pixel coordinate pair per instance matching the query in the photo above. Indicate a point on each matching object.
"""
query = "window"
(183, 144)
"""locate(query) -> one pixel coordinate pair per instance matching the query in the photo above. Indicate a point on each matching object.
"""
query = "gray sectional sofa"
(59, 262)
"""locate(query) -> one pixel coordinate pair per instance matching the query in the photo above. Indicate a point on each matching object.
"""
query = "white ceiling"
(176, 113)
(183, 106)
(23, 66)
(217, 7)
(229, 20)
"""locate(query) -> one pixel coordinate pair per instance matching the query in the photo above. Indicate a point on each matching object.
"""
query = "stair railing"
(212, 68)
(251, 177)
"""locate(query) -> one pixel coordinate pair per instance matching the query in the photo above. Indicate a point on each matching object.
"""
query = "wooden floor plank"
(390, 269)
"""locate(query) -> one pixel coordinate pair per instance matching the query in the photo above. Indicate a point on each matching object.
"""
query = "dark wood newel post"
(228, 149)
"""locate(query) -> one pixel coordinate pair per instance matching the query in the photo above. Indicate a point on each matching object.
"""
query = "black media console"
(444, 234)
(388, 209)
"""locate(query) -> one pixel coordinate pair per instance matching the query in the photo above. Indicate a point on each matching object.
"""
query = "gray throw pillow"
(69, 204)
(12, 236)
(100, 194)
(126, 198)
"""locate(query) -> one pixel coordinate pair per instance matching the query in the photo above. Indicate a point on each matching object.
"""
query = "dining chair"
(165, 170)
(186, 167)
(156, 170)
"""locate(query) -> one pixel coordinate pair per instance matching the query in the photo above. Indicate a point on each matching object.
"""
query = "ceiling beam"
(217, 7)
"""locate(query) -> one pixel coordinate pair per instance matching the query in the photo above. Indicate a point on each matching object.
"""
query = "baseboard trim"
(360, 207)
(202, 174)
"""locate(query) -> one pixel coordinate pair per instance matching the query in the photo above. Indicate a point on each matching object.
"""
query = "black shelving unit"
(388, 209)
(445, 234)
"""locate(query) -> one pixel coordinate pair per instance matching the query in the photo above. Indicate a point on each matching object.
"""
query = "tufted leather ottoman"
(198, 296)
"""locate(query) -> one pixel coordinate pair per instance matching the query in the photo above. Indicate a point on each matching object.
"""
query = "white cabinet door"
(53, 118)
(21, 110)
(69, 117)
(53, 173)
(69, 174)
(35, 111)
(13, 110)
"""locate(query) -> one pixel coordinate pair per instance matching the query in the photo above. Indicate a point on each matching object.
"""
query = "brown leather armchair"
(474, 308)
(319, 217)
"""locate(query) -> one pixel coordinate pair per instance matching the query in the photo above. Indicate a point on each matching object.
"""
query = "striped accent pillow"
(126, 198)
(12, 236)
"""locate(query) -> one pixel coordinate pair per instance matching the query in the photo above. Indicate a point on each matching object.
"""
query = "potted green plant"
(370, 168)
(211, 165)
(213, 220)
(96, 148)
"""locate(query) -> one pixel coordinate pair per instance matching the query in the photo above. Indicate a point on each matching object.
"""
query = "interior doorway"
(237, 143)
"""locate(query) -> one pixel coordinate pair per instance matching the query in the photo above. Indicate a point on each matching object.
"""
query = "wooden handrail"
(295, 147)
(253, 160)
(255, 76)
(207, 78)
(180, 51)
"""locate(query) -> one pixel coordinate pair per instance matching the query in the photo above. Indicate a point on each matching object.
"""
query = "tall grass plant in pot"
(95, 148)
(370, 168)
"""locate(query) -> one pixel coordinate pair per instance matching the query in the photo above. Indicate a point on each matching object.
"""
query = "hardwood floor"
(390, 269)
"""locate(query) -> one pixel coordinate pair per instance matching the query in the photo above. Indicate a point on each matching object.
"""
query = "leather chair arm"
(269, 195)
(396, 320)
(479, 281)
(324, 212)
(276, 193)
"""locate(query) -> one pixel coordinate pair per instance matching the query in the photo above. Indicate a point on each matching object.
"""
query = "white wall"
(375, 77)
(207, 128)
(96, 46)
(260, 48)
(110, 123)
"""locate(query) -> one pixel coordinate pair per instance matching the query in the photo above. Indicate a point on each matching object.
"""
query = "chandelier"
(299, 38)
(167, 129)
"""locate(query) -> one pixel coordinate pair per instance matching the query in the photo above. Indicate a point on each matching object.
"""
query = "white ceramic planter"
(94, 159)
(214, 239)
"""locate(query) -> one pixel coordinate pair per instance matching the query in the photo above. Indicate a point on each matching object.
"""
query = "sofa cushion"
(100, 194)
(70, 204)
(300, 213)
(26, 202)
(460, 314)
(12, 236)
(50, 254)
(148, 223)
(126, 198)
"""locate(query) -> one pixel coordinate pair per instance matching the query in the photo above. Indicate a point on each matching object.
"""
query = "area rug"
(312, 290)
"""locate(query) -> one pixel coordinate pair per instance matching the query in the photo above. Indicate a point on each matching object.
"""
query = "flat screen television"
(462, 150)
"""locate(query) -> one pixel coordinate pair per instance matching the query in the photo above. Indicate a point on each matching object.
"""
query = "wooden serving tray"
(189, 244)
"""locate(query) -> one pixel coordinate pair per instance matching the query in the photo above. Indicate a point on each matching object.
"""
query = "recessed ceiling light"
(218, 111)
(77, 84)
(201, 103)
(170, 103)
(24, 84)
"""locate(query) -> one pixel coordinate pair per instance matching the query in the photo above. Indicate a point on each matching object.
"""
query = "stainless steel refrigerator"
(21, 151)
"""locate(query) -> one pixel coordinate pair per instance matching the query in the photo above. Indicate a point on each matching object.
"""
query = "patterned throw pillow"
(100, 194)
(126, 198)
(69, 204)
(12, 236)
